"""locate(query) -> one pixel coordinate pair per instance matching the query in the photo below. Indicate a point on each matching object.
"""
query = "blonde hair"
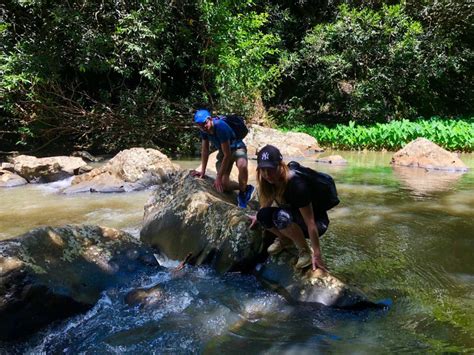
(267, 193)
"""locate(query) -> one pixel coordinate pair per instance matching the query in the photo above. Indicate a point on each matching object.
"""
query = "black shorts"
(279, 218)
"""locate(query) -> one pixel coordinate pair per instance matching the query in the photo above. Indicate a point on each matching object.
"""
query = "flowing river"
(398, 234)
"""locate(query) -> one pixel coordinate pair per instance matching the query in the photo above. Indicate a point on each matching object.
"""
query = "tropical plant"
(452, 134)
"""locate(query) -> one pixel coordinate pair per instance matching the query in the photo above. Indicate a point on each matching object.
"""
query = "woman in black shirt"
(295, 216)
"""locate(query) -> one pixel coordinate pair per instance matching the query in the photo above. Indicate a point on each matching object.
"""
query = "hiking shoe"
(278, 245)
(304, 259)
(244, 197)
(249, 191)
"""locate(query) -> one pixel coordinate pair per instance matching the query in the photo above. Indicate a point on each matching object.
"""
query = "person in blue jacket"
(231, 150)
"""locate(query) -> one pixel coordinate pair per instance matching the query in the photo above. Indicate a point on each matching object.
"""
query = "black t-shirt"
(298, 192)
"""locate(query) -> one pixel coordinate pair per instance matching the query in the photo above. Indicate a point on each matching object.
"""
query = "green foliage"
(236, 53)
(454, 135)
(105, 75)
(110, 75)
(376, 65)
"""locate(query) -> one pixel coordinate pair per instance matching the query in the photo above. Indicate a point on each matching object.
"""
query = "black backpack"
(237, 123)
(324, 193)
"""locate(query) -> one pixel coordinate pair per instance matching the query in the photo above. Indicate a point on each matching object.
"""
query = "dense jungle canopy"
(107, 75)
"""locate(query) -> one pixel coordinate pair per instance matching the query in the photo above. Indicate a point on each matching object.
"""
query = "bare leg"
(242, 166)
(293, 232)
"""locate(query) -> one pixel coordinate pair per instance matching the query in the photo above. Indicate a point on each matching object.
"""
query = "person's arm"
(204, 156)
(308, 216)
(226, 160)
(204, 159)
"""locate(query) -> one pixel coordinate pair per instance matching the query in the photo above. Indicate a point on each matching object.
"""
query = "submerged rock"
(53, 273)
(130, 170)
(422, 153)
(187, 215)
(332, 159)
(145, 297)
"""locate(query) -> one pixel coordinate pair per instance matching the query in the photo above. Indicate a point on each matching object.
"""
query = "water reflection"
(423, 182)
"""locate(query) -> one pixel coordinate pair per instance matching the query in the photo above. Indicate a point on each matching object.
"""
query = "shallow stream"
(398, 234)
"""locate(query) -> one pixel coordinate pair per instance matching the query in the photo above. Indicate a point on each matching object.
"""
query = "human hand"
(318, 263)
(218, 184)
(198, 174)
(253, 220)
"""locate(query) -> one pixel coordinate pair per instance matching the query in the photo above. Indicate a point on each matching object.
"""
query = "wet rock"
(43, 170)
(130, 170)
(422, 153)
(52, 273)
(187, 215)
(307, 286)
(332, 159)
(9, 179)
(145, 297)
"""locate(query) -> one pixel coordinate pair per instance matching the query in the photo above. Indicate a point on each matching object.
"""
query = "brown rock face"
(130, 170)
(422, 153)
(53, 273)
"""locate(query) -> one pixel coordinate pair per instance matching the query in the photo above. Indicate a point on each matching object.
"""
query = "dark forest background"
(108, 75)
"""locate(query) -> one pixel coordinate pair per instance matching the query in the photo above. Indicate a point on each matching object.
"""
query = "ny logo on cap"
(265, 156)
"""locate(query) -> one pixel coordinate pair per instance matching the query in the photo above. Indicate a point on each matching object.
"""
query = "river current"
(398, 234)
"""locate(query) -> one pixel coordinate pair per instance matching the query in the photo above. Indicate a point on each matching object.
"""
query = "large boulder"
(43, 170)
(422, 153)
(130, 170)
(9, 179)
(308, 286)
(52, 273)
(187, 215)
(290, 144)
